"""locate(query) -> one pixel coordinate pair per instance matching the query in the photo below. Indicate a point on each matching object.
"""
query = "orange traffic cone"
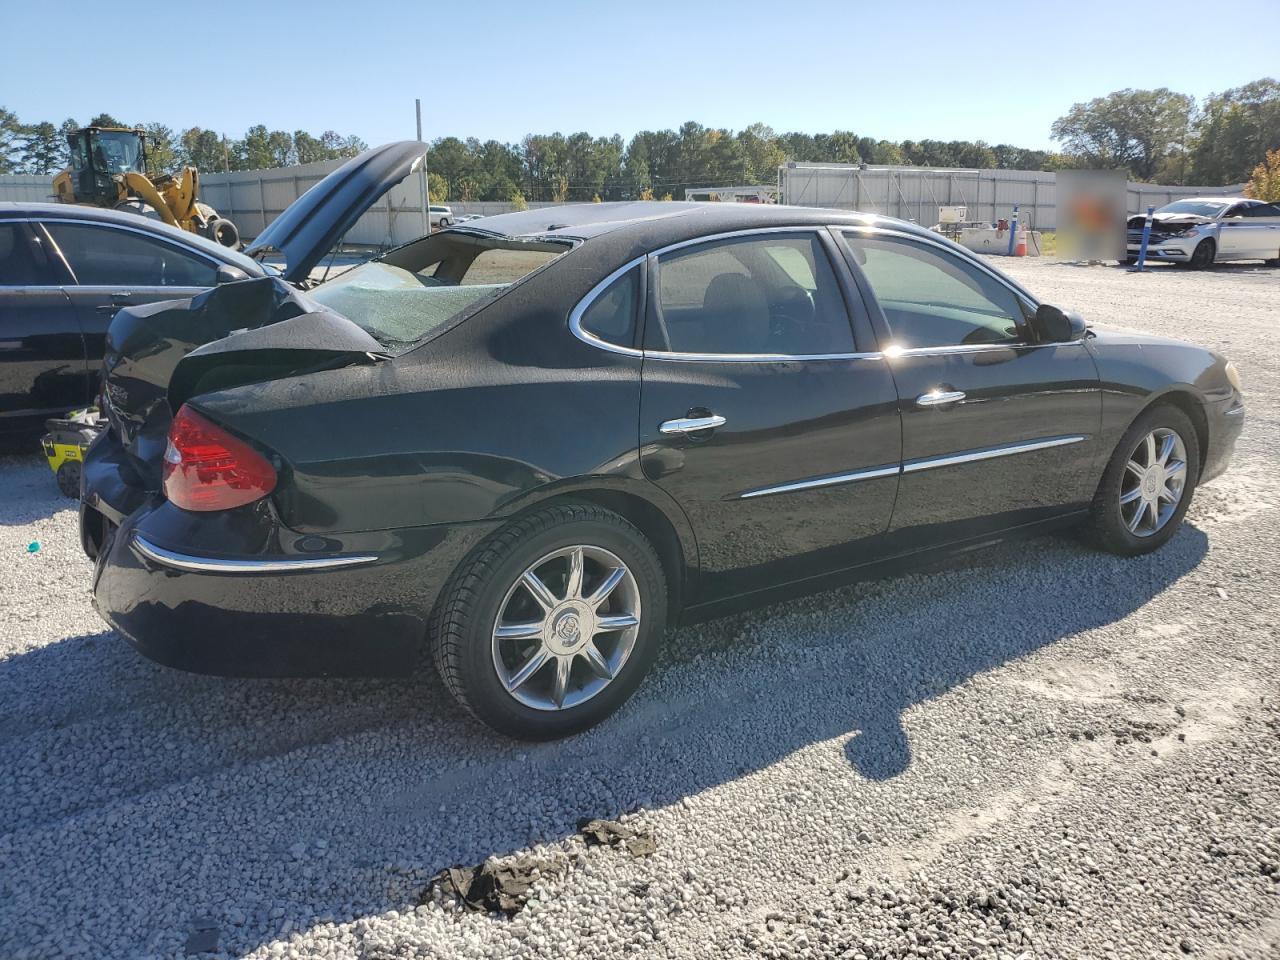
(1021, 249)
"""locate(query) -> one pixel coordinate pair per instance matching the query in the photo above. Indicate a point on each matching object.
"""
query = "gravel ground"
(1039, 752)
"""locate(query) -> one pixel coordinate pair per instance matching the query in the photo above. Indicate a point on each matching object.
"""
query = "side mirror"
(1055, 325)
(229, 274)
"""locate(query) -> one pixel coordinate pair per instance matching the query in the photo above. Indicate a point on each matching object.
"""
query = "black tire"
(223, 231)
(1106, 528)
(445, 222)
(1130, 261)
(1202, 255)
(461, 630)
(68, 477)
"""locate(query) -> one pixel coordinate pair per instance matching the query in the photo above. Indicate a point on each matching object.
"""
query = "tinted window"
(101, 256)
(931, 298)
(1264, 210)
(612, 315)
(18, 266)
(769, 294)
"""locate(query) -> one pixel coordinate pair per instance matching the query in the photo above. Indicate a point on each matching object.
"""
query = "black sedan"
(65, 270)
(530, 444)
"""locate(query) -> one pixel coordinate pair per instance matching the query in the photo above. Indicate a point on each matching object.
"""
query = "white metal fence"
(253, 198)
(916, 193)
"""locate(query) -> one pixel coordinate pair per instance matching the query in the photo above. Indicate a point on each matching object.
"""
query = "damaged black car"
(527, 445)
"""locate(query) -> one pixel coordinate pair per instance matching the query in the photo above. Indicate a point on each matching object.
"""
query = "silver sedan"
(1204, 230)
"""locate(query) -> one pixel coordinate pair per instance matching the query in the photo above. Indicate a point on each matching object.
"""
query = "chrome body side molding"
(913, 466)
(197, 564)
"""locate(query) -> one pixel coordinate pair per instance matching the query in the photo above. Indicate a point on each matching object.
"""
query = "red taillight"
(206, 468)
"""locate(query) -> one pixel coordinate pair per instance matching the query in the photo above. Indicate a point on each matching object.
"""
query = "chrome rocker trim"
(988, 453)
(914, 466)
(830, 481)
(183, 561)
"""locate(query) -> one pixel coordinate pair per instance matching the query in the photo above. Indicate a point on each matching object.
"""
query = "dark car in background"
(529, 444)
(65, 271)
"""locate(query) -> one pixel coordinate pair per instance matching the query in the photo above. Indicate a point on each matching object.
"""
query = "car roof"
(17, 209)
(669, 219)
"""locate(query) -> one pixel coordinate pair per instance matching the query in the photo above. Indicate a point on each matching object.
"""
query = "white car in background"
(441, 216)
(1200, 231)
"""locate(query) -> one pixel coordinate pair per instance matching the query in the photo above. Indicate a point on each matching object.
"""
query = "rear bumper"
(209, 594)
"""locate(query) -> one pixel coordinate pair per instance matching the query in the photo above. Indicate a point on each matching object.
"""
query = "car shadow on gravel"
(303, 802)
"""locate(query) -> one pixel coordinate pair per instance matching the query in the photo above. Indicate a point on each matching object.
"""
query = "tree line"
(41, 148)
(1158, 135)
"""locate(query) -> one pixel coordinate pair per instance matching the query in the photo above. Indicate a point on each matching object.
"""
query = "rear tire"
(501, 652)
(1134, 480)
(1202, 256)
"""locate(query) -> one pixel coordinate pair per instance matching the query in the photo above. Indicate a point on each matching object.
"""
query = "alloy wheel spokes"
(1152, 483)
(566, 627)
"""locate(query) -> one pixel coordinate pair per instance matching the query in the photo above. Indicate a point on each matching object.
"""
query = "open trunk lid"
(311, 225)
(160, 355)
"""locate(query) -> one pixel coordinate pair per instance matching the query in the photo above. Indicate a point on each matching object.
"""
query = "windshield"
(415, 290)
(117, 152)
(1199, 208)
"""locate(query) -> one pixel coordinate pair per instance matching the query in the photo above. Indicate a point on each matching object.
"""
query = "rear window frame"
(401, 348)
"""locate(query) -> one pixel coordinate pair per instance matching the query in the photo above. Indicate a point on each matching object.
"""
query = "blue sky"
(996, 71)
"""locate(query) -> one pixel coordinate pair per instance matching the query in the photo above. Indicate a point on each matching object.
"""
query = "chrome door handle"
(692, 424)
(936, 398)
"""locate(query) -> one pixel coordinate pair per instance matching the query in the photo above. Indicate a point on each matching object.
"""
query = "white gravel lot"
(1038, 752)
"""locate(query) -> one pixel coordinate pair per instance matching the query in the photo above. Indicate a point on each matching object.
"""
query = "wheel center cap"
(569, 630)
(1150, 484)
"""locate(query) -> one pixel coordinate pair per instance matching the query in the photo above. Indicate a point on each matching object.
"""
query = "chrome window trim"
(575, 316)
(963, 254)
(197, 564)
(990, 453)
(831, 481)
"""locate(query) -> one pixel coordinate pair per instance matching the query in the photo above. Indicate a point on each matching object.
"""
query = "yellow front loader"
(109, 169)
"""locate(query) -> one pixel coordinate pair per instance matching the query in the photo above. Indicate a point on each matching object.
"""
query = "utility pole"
(422, 175)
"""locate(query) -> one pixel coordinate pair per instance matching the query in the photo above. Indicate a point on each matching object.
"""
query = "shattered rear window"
(417, 289)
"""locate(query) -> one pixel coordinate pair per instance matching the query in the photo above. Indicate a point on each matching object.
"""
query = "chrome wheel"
(1154, 479)
(566, 627)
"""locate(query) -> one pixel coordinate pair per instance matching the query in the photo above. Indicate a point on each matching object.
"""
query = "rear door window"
(21, 264)
(768, 294)
(105, 257)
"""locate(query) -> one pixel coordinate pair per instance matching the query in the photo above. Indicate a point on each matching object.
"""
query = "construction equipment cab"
(109, 169)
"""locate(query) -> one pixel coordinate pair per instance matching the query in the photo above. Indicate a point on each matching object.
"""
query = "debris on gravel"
(612, 833)
(1037, 751)
(495, 886)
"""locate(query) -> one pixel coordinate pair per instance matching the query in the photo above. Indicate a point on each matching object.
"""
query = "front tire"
(552, 623)
(1148, 484)
(1202, 255)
